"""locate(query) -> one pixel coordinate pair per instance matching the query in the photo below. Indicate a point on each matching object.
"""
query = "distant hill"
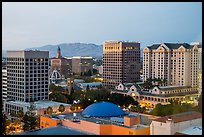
(73, 49)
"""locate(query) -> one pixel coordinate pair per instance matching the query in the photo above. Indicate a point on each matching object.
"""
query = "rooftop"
(56, 130)
(101, 120)
(172, 87)
(40, 104)
(193, 130)
(171, 45)
(186, 116)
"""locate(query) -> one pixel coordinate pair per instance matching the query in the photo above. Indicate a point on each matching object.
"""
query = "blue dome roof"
(103, 109)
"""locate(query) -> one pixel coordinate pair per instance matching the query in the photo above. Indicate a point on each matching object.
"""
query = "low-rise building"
(175, 124)
(92, 85)
(101, 118)
(39, 106)
(162, 94)
(193, 130)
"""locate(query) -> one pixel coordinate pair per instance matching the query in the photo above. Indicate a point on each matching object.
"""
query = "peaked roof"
(172, 45)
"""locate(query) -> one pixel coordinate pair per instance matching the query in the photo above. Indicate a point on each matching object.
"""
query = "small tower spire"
(58, 52)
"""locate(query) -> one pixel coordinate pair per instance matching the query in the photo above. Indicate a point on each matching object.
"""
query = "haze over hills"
(71, 49)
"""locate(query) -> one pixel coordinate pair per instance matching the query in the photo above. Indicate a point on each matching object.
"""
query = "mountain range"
(70, 49)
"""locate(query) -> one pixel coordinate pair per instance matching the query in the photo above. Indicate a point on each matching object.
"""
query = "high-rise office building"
(121, 63)
(4, 84)
(175, 62)
(27, 75)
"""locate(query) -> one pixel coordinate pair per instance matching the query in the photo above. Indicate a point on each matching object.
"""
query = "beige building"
(82, 64)
(171, 125)
(121, 62)
(162, 94)
(61, 64)
(175, 62)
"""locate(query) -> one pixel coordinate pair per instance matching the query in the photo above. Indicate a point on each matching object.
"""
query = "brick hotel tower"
(121, 63)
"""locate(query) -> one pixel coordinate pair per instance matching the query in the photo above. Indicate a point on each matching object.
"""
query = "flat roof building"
(112, 121)
(121, 63)
(169, 125)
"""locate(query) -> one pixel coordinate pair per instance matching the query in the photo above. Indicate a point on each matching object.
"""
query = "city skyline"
(55, 23)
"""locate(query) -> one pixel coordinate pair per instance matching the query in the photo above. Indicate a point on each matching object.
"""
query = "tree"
(61, 108)
(30, 122)
(58, 97)
(200, 104)
(95, 71)
(87, 88)
(4, 118)
(20, 114)
(49, 110)
(89, 73)
(72, 91)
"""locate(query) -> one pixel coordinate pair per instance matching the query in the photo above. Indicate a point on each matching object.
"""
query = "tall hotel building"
(121, 63)
(175, 62)
(27, 75)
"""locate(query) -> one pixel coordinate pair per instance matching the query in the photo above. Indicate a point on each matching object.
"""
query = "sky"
(35, 24)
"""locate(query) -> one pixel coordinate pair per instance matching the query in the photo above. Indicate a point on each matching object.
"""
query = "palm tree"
(49, 110)
(61, 108)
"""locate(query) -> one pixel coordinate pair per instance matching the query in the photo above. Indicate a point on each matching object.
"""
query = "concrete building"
(98, 68)
(121, 63)
(61, 64)
(170, 125)
(4, 85)
(92, 85)
(200, 82)
(81, 65)
(193, 130)
(27, 76)
(175, 62)
(40, 107)
(162, 94)
(101, 118)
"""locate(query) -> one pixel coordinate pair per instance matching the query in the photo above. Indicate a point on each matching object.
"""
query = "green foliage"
(95, 71)
(58, 97)
(49, 110)
(54, 88)
(200, 104)
(148, 83)
(4, 119)
(61, 108)
(137, 108)
(87, 88)
(170, 109)
(88, 97)
(20, 114)
(30, 122)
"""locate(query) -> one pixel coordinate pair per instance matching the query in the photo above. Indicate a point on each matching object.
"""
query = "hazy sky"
(35, 24)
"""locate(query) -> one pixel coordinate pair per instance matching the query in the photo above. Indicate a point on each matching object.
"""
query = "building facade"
(121, 62)
(61, 64)
(169, 125)
(175, 62)
(27, 75)
(4, 85)
(162, 94)
(81, 65)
